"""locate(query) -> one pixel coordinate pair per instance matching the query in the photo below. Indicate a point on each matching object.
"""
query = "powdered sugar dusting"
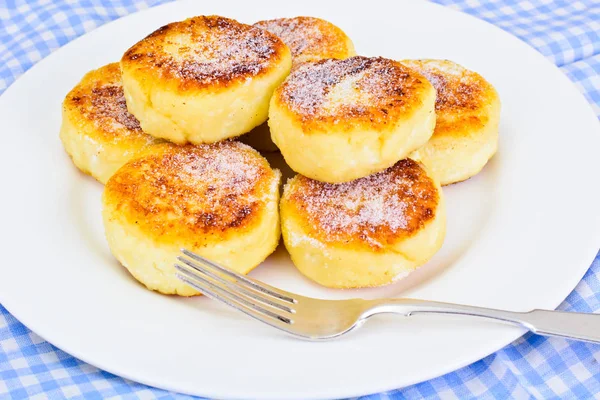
(189, 188)
(99, 100)
(456, 86)
(296, 35)
(309, 39)
(365, 203)
(375, 209)
(109, 102)
(362, 87)
(227, 169)
(206, 50)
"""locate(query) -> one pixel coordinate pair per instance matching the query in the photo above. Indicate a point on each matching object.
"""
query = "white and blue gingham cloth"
(566, 32)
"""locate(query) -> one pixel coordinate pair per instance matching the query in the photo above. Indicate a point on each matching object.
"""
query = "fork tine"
(216, 292)
(262, 287)
(240, 307)
(235, 287)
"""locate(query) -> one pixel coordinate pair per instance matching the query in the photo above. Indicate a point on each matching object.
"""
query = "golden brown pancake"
(468, 115)
(350, 117)
(204, 79)
(219, 200)
(367, 232)
(97, 131)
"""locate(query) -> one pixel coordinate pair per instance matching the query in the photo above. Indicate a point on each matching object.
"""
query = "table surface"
(566, 32)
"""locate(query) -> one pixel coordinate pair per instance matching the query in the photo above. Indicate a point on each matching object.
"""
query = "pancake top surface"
(98, 102)
(309, 38)
(464, 98)
(193, 192)
(205, 51)
(373, 92)
(375, 211)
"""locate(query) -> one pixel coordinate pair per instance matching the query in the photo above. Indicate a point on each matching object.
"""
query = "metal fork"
(317, 319)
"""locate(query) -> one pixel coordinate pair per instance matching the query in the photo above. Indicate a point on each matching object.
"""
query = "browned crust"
(310, 39)
(195, 193)
(376, 211)
(97, 106)
(385, 92)
(235, 52)
(464, 98)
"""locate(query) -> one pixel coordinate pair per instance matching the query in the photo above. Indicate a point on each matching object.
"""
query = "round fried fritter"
(219, 200)
(468, 115)
(367, 232)
(204, 79)
(339, 120)
(97, 131)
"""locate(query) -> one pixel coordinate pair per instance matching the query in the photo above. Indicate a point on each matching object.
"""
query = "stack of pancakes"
(370, 138)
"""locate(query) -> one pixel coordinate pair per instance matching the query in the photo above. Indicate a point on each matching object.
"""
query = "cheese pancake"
(219, 200)
(97, 131)
(340, 120)
(468, 115)
(204, 79)
(367, 232)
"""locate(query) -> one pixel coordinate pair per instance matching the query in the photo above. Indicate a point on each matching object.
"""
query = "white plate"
(520, 235)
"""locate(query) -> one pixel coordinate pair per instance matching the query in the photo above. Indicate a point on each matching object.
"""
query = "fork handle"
(569, 325)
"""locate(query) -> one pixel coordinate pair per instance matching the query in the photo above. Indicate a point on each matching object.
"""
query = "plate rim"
(508, 338)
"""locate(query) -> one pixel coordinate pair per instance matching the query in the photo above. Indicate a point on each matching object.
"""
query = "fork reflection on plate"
(318, 319)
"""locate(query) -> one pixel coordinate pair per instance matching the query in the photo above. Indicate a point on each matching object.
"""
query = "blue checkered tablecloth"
(566, 32)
